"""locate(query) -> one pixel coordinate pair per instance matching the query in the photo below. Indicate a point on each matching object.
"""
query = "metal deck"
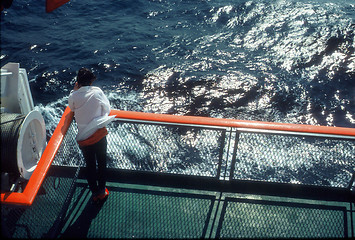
(65, 209)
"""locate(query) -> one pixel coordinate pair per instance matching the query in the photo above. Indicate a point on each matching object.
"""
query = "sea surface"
(269, 60)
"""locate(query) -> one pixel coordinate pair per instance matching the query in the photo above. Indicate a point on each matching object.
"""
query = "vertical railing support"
(220, 157)
(234, 156)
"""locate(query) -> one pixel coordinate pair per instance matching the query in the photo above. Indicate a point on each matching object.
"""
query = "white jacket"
(91, 110)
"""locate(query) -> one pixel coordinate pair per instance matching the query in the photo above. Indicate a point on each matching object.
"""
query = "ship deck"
(143, 205)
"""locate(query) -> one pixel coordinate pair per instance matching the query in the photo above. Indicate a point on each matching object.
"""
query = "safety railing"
(222, 149)
(229, 149)
(29, 193)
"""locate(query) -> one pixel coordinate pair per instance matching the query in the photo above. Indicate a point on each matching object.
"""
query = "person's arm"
(104, 102)
(106, 106)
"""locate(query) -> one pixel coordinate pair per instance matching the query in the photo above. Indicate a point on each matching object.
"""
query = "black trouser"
(92, 154)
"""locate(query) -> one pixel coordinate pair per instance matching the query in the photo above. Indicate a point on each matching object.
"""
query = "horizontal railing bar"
(242, 124)
(251, 130)
(300, 134)
(170, 124)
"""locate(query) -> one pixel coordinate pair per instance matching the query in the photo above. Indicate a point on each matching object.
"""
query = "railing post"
(219, 169)
(351, 182)
(234, 156)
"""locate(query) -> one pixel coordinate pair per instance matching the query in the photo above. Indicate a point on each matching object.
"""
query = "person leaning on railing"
(91, 111)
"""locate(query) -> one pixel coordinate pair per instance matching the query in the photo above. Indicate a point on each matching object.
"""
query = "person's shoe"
(95, 198)
(101, 196)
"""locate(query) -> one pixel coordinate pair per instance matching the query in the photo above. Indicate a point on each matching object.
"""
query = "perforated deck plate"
(140, 211)
(136, 211)
(274, 217)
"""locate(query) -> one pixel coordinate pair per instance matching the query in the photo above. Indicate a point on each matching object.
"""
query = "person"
(91, 111)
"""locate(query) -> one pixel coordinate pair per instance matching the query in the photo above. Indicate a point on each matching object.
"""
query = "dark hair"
(85, 77)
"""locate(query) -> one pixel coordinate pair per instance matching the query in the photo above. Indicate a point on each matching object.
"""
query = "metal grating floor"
(144, 211)
(249, 218)
(137, 211)
(133, 211)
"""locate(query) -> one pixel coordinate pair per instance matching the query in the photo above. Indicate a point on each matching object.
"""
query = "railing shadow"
(80, 228)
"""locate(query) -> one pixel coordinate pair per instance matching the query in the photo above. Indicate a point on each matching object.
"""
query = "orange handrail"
(54, 4)
(302, 128)
(28, 195)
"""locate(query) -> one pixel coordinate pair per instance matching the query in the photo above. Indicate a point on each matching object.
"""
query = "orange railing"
(28, 195)
(35, 182)
(207, 121)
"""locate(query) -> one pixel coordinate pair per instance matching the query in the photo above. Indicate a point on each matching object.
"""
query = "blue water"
(270, 60)
(283, 61)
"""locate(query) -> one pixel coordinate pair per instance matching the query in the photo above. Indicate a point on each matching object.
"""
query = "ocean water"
(270, 60)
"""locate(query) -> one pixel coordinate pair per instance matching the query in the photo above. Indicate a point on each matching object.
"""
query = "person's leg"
(89, 155)
(101, 156)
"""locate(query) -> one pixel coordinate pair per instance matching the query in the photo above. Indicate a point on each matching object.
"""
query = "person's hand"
(76, 86)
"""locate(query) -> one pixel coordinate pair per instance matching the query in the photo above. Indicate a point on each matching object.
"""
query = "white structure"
(16, 98)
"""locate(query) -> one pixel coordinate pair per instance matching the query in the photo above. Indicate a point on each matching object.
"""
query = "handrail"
(28, 195)
(245, 124)
(54, 4)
